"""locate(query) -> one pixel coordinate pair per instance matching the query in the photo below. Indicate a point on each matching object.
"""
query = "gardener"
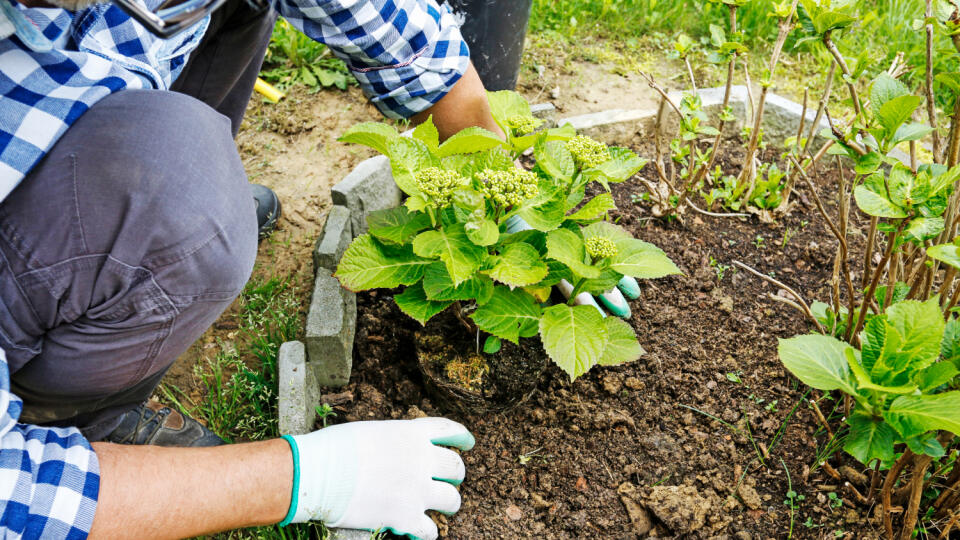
(126, 227)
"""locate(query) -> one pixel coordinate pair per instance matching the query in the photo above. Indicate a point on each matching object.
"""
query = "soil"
(460, 379)
(641, 449)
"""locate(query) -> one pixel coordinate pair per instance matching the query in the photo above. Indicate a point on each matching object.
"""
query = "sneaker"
(268, 209)
(159, 425)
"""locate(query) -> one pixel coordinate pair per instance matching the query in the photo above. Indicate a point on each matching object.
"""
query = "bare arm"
(155, 492)
(464, 106)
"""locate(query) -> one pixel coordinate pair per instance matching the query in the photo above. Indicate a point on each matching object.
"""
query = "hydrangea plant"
(449, 246)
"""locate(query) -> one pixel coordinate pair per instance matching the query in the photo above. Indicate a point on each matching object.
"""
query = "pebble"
(514, 513)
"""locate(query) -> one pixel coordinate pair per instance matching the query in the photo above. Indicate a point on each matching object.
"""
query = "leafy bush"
(449, 243)
(898, 379)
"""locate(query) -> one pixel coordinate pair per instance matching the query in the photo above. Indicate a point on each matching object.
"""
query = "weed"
(788, 235)
(324, 413)
(734, 376)
(793, 499)
(758, 241)
(719, 268)
(293, 58)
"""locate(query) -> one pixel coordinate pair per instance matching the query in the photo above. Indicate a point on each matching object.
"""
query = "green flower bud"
(439, 184)
(523, 124)
(509, 187)
(599, 247)
(588, 152)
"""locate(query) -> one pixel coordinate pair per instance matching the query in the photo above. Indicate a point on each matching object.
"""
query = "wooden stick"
(888, 482)
(800, 300)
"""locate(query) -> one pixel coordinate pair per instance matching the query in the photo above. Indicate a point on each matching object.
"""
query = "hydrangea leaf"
(427, 133)
(452, 245)
(438, 286)
(414, 302)
(509, 314)
(623, 164)
(622, 344)
(948, 254)
(407, 156)
(936, 374)
(921, 326)
(643, 260)
(397, 225)
(819, 361)
(574, 337)
(376, 135)
(519, 265)
(915, 415)
(874, 204)
(468, 141)
(950, 345)
(482, 232)
(869, 439)
(546, 210)
(369, 264)
(554, 159)
(505, 104)
(594, 208)
(566, 246)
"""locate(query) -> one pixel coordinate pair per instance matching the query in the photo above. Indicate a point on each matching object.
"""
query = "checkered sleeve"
(406, 54)
(49, 477)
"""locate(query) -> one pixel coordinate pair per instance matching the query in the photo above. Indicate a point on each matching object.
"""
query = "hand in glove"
(613, 299)
(378, 475)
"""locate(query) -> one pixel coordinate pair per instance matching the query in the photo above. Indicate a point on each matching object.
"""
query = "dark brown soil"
(462, 379)
(640, 449)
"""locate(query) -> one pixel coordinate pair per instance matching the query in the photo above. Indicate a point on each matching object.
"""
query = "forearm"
(155, 492)
(464, 106)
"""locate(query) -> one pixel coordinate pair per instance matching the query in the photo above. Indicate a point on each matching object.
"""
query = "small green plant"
(449, 245)
(833, 500)
(325, 412)
(293, 58)
(719, 268)
(758, 242)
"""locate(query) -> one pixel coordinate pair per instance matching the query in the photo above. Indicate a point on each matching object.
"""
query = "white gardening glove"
(613, 299)
(379, 475)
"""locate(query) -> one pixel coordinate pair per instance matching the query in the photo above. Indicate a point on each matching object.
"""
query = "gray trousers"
(131, 236)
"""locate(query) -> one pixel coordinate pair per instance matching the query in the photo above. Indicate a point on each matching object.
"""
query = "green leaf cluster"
(450, 242)
(902, 380)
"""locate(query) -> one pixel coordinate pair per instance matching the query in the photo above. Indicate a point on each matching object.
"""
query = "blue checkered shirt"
(406, 54)
(49, 477)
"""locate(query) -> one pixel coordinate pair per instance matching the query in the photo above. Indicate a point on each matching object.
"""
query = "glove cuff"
(328, 473)
(294, 496)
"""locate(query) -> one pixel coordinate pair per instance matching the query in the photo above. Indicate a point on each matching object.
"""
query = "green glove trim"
(463, 441)
(296, 481)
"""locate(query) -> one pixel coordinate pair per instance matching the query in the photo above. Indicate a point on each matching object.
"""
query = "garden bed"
(671, 441)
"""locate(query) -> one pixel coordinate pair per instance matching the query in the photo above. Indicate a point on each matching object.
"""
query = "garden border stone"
(331, 324)
(335, 236)
(297, 396)
(367, 188)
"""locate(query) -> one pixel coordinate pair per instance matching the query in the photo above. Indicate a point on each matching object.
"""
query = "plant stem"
(749, 171)
(828, 43)
(891, 242)
(920, 465)
(693, 81)
(828, 85)
(868, 250)
(576, 291)
(888, 482)
(931, 104)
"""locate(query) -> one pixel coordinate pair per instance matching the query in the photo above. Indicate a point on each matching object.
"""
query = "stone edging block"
(367, 188)
(334, 238)
(298, 393)
(331, 324)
